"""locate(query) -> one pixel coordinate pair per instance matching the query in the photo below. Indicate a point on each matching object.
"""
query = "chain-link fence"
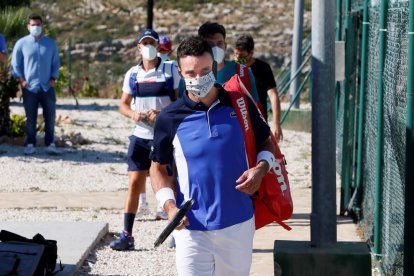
(382, 195)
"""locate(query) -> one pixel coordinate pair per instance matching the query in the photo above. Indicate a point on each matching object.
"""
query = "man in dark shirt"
(265, 80)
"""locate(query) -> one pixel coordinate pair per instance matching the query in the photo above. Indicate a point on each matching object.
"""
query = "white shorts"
(224, 252)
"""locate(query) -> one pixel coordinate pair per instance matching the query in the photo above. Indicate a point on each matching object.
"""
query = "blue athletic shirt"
(207, 145)
(3, 46)
(228, 71)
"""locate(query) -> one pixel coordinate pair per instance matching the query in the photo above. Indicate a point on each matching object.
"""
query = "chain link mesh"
(395, 105)
(394, 111)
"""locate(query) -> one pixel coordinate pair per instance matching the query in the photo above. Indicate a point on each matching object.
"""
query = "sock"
(129, 222)
(142, 198)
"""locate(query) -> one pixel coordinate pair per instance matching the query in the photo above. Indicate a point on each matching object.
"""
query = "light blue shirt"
(3, 47)
(36, 61)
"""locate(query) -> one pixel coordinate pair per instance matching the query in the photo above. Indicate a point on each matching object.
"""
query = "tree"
(14, 3)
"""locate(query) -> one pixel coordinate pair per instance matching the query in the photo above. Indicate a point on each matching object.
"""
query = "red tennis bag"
(273, 201)
(243, 72)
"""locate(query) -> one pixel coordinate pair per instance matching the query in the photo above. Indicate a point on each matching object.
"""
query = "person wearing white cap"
(148, 86)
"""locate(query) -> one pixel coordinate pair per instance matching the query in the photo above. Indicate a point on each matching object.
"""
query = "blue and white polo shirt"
(207, 145)
(149, 91)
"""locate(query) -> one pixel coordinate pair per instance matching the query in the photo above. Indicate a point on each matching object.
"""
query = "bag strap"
(169, 81)
(240, 106)
(243, 72)
(61, 267)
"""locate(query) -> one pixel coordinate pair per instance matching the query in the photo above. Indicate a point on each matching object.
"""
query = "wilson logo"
(277, 169)
(242, 107)
(241, 73)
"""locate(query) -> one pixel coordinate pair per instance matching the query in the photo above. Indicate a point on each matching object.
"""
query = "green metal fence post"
(349, 108)
(380, 130)
(69, 61)
(409, 180)
(362, 77)
(338, 37)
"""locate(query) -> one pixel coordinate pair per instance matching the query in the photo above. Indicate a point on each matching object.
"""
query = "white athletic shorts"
(224, 252)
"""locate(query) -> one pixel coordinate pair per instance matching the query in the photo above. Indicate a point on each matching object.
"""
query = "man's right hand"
(172, 210)
(139, 116)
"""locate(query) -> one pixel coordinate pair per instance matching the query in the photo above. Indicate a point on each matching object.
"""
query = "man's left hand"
(152, 116)
(52, 83)
(249, 181)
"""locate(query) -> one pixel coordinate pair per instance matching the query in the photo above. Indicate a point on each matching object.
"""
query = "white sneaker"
(161, 214)
(29, 149)
(143, 210)
(171, 243)
(52, 150)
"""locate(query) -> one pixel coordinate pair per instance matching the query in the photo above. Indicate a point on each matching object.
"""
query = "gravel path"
(100, 166)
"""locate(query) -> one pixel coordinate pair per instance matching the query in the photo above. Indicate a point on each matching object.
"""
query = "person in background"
(165, 49)
(201, 134)
(151, 85)
(3, 49)
(265, 80)
(215, 35)
(164, 52)
(35, 64)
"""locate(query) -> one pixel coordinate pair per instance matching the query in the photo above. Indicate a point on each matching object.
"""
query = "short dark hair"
(34, 17)
(193, 46)
(211, 28)
(245, 42)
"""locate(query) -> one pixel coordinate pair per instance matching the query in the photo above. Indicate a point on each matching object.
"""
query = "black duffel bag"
(48, 259)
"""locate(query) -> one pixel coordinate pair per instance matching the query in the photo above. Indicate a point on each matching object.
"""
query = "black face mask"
(241, 60)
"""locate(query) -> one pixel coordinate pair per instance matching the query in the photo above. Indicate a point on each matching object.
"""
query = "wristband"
(163, 195)
(266, 156)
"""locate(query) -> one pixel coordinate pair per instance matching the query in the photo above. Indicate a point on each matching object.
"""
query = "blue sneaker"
(124, 242)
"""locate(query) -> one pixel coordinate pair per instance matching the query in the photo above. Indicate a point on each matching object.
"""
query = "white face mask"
(148, 52)
(200, 87)
(35, 30)
(163, 57)
(218, 54)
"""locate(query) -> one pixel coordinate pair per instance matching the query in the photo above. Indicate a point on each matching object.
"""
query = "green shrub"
(62, 81)
(88, 89)
(17, 125)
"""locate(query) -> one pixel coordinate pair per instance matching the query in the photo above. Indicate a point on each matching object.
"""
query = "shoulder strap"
(243, 72)
(169, 80)
(240, 106)
(133, 83)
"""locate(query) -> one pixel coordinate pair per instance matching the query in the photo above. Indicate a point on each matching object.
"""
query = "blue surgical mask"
(35, 30)
(164, 57)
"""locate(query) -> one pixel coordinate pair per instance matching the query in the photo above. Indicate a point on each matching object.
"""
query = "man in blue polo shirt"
(201, 133)
(35, 64)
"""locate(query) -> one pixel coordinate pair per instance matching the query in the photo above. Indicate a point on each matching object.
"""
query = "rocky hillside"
(103, 32)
